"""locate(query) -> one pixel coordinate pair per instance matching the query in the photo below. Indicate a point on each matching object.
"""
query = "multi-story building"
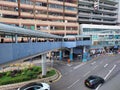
(52, 16)
(100, 19)
(119, 14)
(98, 12)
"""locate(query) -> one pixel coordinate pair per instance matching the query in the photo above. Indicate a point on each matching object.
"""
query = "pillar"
(71, 54)
(12, 39)
(16, 38)
(84, 54)
(44, 69)
(60, 54)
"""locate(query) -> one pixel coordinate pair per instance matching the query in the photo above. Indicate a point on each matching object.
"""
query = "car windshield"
(35, 87)
(92, 77)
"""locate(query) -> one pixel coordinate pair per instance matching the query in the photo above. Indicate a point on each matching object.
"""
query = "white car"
(35, 86)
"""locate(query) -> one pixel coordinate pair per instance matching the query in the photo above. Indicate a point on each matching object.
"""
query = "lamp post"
(52, 61)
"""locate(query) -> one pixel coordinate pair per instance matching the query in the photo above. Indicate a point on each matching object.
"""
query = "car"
(35, 86)
(93, 81)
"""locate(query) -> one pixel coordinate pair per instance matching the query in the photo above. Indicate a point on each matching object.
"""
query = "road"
(73, 75)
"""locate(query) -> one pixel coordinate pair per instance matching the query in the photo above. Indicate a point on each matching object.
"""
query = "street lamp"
(52, 61)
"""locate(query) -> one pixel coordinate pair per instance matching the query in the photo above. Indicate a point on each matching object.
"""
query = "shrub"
(22, 75)
(8, 73)
(1, 75)
(51, 73)
(36, 69)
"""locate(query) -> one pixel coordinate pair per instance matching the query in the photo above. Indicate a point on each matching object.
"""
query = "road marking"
(93, 63)
(86, 73)
(95, 67)
(73, 84)
(106, 76)
(76, 67)
(110, 71)
(98, 87)
(69, 64)
(105, 65)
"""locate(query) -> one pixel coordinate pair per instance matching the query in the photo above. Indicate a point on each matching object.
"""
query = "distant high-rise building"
(98, 12)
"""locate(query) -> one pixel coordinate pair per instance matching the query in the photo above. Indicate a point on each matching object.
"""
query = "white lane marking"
(105, 65)
(86, 73)
(98, 87)
(76, 67)
(106, 76)
(69, 64)
(73, 84)
(110, 71)
(93, 63)
(95, 67)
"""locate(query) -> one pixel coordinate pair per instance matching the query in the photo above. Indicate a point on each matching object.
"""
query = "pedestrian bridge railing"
(16, 51)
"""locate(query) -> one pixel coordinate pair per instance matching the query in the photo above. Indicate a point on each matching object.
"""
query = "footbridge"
(19, 44)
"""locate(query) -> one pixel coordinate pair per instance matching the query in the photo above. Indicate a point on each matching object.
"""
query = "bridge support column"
(16, 38)
(84, 54)
(71, 54)
(44, 69)
(61, 55)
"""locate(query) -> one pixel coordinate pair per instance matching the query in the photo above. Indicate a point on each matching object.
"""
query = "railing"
(16, 51)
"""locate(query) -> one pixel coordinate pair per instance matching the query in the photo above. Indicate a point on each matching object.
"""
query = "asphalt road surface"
(73, 75)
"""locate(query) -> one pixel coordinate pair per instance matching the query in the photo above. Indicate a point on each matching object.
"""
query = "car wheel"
(102, 81)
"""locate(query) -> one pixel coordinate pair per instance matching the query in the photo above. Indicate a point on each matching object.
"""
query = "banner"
(96, 4)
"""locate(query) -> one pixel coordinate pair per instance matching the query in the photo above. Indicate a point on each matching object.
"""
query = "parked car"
(35, 86)
(93, 81)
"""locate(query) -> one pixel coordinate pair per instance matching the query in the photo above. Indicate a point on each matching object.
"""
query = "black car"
(93, 81)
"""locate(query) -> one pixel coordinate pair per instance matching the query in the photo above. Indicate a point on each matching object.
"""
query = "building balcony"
(108, 11)
(7, 3)
(85, 8)
(55, 17)
(55, 2)
(96, 21)
(55, 10)
(71, 18)
(85, 2)
(64, 31)
(108, 6)
(5, 12)
(89, 15)
(71, 12)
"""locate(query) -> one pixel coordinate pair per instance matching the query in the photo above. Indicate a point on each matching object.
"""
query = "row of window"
(45, 4)
(32, 27)
(100, 30)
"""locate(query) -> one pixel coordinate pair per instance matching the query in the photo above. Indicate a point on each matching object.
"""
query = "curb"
(48, 80)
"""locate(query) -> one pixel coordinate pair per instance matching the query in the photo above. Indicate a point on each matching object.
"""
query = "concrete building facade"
(98, 12)
(52, 16)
